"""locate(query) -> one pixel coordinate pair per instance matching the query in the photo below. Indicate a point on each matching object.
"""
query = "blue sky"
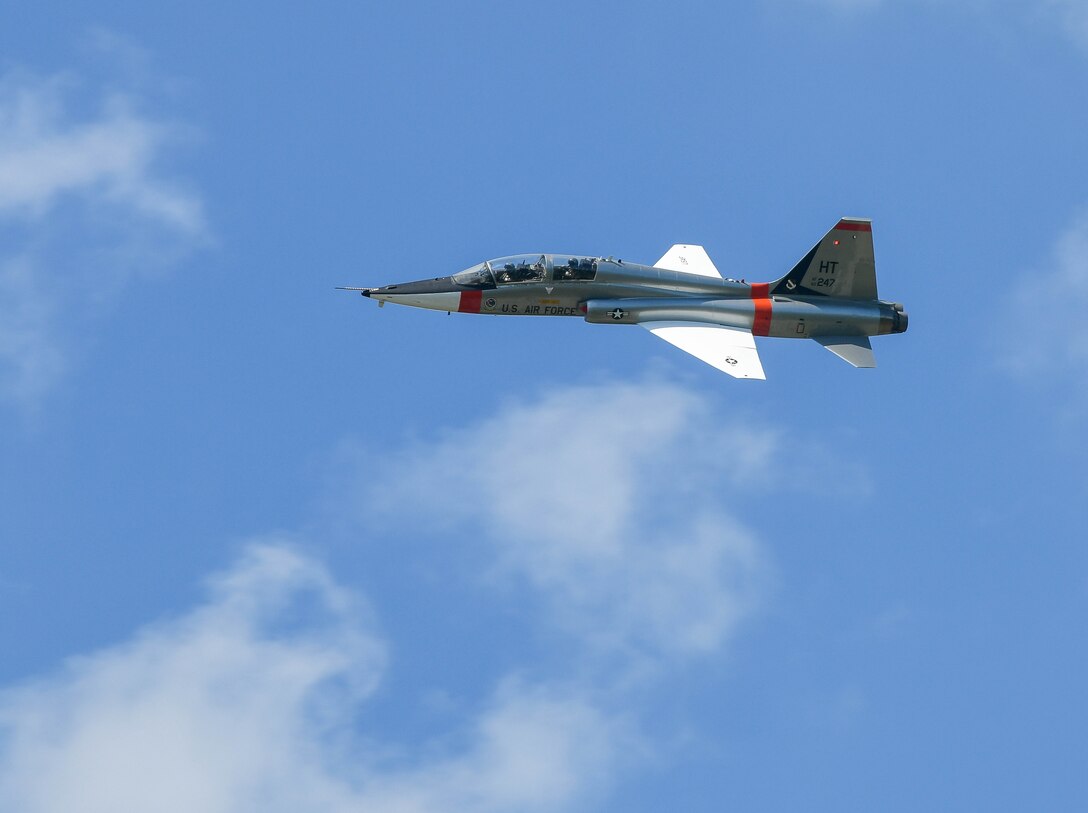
(264, 546)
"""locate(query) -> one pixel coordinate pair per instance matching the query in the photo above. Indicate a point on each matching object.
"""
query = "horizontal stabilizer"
(728, 349)
(854, 350)
(689, 260)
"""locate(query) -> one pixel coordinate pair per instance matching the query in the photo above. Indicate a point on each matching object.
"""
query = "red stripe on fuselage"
(846, 225)
(470, 301)
(761, 298)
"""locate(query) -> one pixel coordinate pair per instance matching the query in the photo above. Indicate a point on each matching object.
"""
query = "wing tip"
(688, 258)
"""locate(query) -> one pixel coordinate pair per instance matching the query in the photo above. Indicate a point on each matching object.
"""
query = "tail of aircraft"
(840, 265)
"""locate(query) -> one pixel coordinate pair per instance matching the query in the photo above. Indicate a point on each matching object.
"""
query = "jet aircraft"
(829, 296)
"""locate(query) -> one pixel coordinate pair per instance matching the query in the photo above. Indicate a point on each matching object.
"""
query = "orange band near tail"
(761, 298)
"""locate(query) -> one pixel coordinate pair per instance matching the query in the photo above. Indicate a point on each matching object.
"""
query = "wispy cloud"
(1048, 307)
(532, 749)
(613, 501)
(252, 701)
(1070, 17)
(85, 210)
(845, 5)
(1073, 17)
(47, 154)
(30, 359)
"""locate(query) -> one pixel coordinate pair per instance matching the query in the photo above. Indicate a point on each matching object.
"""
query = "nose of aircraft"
(438, 285)
(440, 293)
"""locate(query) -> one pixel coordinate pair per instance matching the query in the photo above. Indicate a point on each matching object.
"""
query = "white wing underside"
(689, 259)
(728, 349)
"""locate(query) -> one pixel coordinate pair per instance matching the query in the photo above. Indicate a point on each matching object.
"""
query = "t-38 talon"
(829, 296)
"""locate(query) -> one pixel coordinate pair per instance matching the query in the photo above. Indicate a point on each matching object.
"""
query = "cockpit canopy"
(520, 268)
(479, 276)
(528, 268)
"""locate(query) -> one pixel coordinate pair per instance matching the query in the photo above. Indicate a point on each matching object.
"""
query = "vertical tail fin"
(840, 265)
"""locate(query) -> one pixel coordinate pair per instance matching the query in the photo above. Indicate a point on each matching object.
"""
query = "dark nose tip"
(365, 292)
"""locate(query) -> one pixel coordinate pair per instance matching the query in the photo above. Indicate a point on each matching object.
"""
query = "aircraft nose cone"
(366, 292)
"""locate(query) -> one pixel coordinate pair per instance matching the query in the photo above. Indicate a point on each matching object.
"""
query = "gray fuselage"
(607, 291)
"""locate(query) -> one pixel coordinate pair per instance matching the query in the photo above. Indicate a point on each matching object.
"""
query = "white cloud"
(1047, 342)
(251, 702)
(47, 153)
(534, 750)
(613, 501)
(84, 211)
(609, 500)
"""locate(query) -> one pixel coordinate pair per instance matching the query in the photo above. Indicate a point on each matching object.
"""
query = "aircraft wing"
(728, 349)
(690, 260)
